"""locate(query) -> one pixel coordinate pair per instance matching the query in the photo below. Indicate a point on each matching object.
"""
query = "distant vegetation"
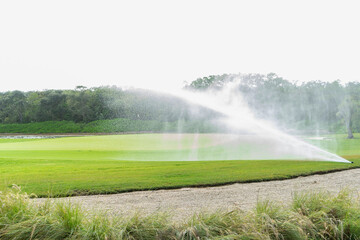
(308, 216)
(103, 109)
(311, 106)
(86, 105)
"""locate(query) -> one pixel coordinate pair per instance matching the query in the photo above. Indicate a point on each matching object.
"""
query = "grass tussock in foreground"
(309, 216)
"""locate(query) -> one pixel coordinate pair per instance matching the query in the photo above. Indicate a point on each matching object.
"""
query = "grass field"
(119, 163)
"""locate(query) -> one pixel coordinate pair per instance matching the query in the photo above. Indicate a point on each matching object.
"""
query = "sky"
(162, 44)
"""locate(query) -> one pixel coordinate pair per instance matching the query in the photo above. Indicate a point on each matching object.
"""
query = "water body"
(28, 136)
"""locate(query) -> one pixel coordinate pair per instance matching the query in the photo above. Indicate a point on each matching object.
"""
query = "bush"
(108, 126)
(42, 127)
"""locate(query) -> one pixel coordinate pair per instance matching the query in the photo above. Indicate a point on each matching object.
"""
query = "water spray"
(229, 103)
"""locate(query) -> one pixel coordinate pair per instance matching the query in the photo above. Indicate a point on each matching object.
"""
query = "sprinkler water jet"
(238, 116)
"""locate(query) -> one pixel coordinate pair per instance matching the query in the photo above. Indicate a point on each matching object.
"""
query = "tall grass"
(309, 216)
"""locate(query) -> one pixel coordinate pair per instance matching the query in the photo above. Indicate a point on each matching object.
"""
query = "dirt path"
(186, 201)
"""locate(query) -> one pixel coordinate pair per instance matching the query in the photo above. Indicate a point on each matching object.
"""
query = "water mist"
(239, 117)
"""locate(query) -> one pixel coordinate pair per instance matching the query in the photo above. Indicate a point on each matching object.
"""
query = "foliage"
(315, 105)
(318, 215)
(42, 127)
(311, 106)
(86, 105)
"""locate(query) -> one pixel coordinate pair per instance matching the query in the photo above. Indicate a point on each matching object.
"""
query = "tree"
(346, 113)
(13, 107)
(349, 109)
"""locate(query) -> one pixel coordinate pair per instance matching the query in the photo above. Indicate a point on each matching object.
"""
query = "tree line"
(88, 104)
(307, 106)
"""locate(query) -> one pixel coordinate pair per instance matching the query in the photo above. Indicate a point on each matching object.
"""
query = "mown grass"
(63, 178)
(105, 164)
(309, 216)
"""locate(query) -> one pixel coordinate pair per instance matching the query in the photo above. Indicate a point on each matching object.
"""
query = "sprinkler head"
(351, 162)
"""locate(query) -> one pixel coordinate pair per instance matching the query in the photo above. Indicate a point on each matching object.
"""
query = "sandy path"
(186, 201)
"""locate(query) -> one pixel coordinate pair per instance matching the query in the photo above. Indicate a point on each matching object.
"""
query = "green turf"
(109, 164)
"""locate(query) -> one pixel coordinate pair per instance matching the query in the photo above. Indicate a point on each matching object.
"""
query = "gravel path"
(186, 201)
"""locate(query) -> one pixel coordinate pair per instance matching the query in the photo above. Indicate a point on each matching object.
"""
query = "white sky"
(160, 44)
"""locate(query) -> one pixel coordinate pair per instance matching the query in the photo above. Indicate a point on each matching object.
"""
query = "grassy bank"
(112, 164)
(308, 216)
(106, 126)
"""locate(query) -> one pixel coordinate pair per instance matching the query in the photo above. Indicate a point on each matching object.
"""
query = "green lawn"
(118, 163)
